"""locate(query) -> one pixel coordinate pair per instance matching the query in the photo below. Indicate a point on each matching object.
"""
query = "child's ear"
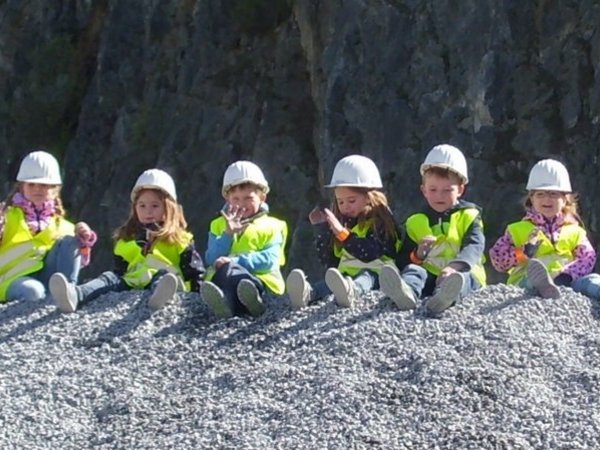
(422, 189)
(263, 197)
(461, 189)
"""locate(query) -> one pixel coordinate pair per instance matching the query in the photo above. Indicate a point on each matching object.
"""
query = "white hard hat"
(448, 157)
(549, 175)
(155, 179)
(241, 172)
(39, 167)
(355, 171)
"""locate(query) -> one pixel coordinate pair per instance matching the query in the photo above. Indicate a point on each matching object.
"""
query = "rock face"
(113, 87)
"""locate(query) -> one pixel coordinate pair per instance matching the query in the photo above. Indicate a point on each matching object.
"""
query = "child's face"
(38, 194)
(350, 202)
(548, 203)
(247, 198)
(441, 193)
(149, 207)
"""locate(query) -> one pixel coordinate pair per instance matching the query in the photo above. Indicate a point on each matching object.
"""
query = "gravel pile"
(501, 370)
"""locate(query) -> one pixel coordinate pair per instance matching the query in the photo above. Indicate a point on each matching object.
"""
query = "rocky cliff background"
(113, 87)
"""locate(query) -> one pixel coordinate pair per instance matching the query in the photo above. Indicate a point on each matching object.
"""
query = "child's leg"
(588, 285)
(365, 282)
(26, 288)
(404, 289)
(68, 296)
(163, 288)
(65, 258)
(227, 277)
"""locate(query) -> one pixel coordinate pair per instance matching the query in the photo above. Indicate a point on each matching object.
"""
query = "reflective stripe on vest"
(141, 268)
(554, 256)
(449, 237)
(256, 237)
(349, 264)
(22, 253)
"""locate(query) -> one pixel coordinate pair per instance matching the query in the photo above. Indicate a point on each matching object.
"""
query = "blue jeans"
(588, 285)
(110, 282)
(364, 282)
(63, 257)
(227, 277)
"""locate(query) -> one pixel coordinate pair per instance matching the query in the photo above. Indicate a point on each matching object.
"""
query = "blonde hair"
(174, 226)
(377, 209)
(570, 208)
(59, 209)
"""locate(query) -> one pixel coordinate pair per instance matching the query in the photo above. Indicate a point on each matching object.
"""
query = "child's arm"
(370, 247)
(323, 243)
(217, 246)
(192, 267)
(472, 248)
(261, 260)
(503, 253)
(583, 264)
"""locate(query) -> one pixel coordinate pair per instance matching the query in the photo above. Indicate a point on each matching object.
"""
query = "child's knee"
(28, 289)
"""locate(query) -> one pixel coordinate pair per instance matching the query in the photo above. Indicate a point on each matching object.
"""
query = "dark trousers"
(227, 277)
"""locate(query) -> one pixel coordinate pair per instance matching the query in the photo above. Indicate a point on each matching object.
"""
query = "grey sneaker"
(392, 285)
(541, 280)
(298, 289)
(63, 293)
(447, 294)
(164, 291)
(215, 299)
(250, 297)
(342, 288)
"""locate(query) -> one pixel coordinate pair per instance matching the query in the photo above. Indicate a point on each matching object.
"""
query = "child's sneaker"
(298, 289)
(215, 299)
(342, 288)
(447, 294)
(63, 292)
(392, 285)
(164, 291)
(249, 296)
(541, 280)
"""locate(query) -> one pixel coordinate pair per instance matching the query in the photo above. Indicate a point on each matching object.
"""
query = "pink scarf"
(37, 219)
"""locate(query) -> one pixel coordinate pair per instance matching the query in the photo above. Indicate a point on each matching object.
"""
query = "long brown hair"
(570, 208)
(173, 228)
(59, 209)
(377, 209)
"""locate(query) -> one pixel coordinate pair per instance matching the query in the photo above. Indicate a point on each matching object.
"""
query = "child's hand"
(334, 224)
(83, 231)
(317, 216)
(425, 246)
(233, 217)
(221, 261)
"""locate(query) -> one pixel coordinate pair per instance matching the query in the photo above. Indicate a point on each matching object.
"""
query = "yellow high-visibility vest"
(21, 252)
(352, 266)
(141, 268)
(554, 256)
(449, 237)
(257, 236)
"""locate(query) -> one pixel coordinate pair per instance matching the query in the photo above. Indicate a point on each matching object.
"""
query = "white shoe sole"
(163, 292)
(250, 298)
(540, 279)
(447, 295)
(337, 284)
(215, 299)
(59, 289)
(392, 285)
(298, 289)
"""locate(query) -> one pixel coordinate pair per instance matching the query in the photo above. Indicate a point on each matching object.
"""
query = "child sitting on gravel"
(245, 246)
(355, 238)
(35, 238)
(153, 250)
(549, 247)
(442, 254)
